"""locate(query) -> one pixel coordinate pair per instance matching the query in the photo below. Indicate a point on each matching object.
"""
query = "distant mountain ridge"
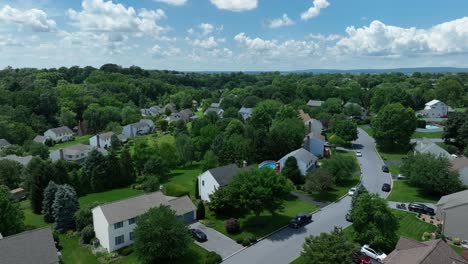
(359, 71)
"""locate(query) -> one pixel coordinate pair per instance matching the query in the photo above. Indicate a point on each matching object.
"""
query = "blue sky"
(198, 35)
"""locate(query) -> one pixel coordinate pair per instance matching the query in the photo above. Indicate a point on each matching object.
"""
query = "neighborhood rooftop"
(454, 199)
(61, 130)
(138, 205)
(302, 154)
(224, 175)
(315, 103)
(4, 143)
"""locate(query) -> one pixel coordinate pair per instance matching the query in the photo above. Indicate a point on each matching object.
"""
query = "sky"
(234, 35)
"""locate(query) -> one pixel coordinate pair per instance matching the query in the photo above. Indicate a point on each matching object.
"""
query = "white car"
(373, 253)
(352, 191)
(358, 153)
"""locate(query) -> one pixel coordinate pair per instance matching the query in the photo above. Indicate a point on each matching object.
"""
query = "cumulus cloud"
(314, 11)
(207, 43)
(235, 5)
(157, 51)
(173, 2)
(379, 39)
(206, 28)
(106, 16)
(280, 22)
(9, 41)
(33, 19)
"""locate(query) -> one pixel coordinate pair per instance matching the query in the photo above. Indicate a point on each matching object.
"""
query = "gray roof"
(35, 246)
(225, 174)
(106, 135)
(314, 103)
(245, 110)
(138, 205)
(428, 147)
(40, 139)
(301, 155)
(22, 160)
(4, 143)
(61, 130)
(453, 200)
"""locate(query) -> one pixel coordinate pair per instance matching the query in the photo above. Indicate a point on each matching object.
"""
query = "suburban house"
(212, 179)
(215, 107)
(305, 160)
(143, 127)
(114, 222)
(435, 109)
(245, 112)
(103, 140)
(452, 211)
(34, 246)
(461, 165)
(40, 139)
(186, 115)
(21, 160)
(75, 153)
(4, 143)
(312, 125)
(59, 134)
(169, 107)
(425, 146)
(152, 111)
(314, 103)
(409, 251)
(362, 109)
(315, 144)
(19, 194)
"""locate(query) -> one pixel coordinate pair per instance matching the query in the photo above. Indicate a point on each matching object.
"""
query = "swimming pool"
(270, 164)
(431, 127)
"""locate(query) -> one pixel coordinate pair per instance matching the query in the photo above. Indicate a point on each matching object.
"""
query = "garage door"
(188, 217)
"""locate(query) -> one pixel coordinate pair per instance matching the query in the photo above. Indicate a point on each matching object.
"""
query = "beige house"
(452, 210)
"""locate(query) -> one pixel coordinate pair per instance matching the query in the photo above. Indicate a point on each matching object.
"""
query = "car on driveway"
(348, 217)
(361, 258)
(352, 191)
(385, 169)
(420, 208)
(386, 187)
(373, 253)
(358, 153)
(300, 220)
(198, 235)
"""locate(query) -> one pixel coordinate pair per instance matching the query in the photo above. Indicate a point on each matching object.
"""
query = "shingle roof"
(35, 246)
(61, 130)
(408, 251)
(301, 155)
(245, 110)
(225, 174)
(106, 135)
(138, 205)
(314, 103)
(429, 147)
(22, 160)
(432, 102)
(80, 148)
(40, 139)
(304, 116)
(4, 143)
(454, 199)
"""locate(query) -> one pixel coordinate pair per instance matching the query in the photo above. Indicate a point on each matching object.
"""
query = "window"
(131, 221)
(118, 225)
(131, 236)
(202, 183)
(119, 240)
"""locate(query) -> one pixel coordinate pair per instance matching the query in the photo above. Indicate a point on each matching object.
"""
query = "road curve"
(286, 245)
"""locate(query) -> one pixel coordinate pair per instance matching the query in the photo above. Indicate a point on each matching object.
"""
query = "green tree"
(160, 236)
(65, 206)
(39, 173)
(96, 169)
(36, 149)
(11, 216)
(67, 117)
(340, 166)
(210, 161)
(286, 112)
(285, 136)
(374, 223)
(319, 180)
(291, 171)
(185, 148)
(236, 149)
(264, 113)
(10, 173)
(450, 90)
(393, 127)
(127, 170)
(151, 184)
(345, 129)
(326, 248)
(84, 216)
(235, 127)
(360, 190)
(332, 106)
(200, 210)
(352, 110)
(49, 198)
(388, 94)
(130, 114)
(156, 166)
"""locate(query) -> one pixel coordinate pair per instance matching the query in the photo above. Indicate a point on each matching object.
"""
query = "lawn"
(77, 140)
(265, 223)
(153, 140)
(183, 179)
(73, 253)
(392, 155)
(109, 196)
(403, 192)
(394, 169)
(457, 249)
(427, 135)
(31, 220)
(337, 191)
(411, 226)
(299, 260)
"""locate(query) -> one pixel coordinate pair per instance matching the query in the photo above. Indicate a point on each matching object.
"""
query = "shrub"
(151, 184)
(427, 236)
(232, 226)
(200, 211)
(239, 240)
(246, 242)
(126, 251)
(420, 123)
(253, 239)
(456, 241)
(213, 258)
(175, 190)
(87, 234)
(466, 152)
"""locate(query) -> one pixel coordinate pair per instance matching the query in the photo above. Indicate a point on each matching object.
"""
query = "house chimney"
(244, 164)
(310, 127)
(307, 147)
(277, 167)
(98, 141)
(61, 154)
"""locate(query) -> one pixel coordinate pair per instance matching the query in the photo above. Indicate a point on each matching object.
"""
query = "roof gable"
(301, 155)
(225, 174)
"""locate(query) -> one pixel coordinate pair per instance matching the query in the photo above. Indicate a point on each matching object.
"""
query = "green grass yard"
(427, 135)
(392, 155)
(183, 179)
(337, 192)
(411, 226)
(403, 192)
(109, 196)
(77, 140)
(394, 169)
(368, 129)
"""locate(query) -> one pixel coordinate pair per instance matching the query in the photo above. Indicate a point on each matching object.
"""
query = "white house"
(212, 179)
(452, 210)
(315, 144)
(152, 111)
(245, 112)
(4, 143)
(59, 134)
(435, 109)
(114, 222)
(103, 140)
(144, 126)
(305, 160)
(75, 153)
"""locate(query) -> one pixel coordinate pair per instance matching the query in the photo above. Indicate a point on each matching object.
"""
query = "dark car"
(198, 235)
(348, 217)
(386, 187)
(385, 169)
(361, 258)
(300, 220)
(420, 208)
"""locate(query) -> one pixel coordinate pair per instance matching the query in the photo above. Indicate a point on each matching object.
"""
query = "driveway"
(217, 242)
(286, 245)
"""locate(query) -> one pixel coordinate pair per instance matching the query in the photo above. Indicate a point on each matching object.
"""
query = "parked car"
(358, 153)
(348, 217)
(300, 220)
(400, 177)
(385, 169)
(361, 258)
(198, 235)
(352, 191)
(421, 208)
(386, 187)
(373, 253)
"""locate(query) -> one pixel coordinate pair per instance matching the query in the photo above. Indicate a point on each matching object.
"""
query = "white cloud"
(207, 43)
(157, 51)
(9, 41)
(206, 28)
(379, 39)
(33, 19)
(314, 11)
(173, 2)
(235, 5)
(105, 16)
(280, 22)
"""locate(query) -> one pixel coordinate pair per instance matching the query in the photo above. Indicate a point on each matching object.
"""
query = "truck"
(300, 220)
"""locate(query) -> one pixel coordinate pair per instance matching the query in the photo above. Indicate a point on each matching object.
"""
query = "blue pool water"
(431, 127)
(268, 164)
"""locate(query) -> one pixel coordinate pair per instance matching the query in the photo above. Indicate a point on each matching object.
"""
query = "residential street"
(286, 245)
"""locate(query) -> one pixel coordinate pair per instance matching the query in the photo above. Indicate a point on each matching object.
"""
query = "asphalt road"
(286, 245)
